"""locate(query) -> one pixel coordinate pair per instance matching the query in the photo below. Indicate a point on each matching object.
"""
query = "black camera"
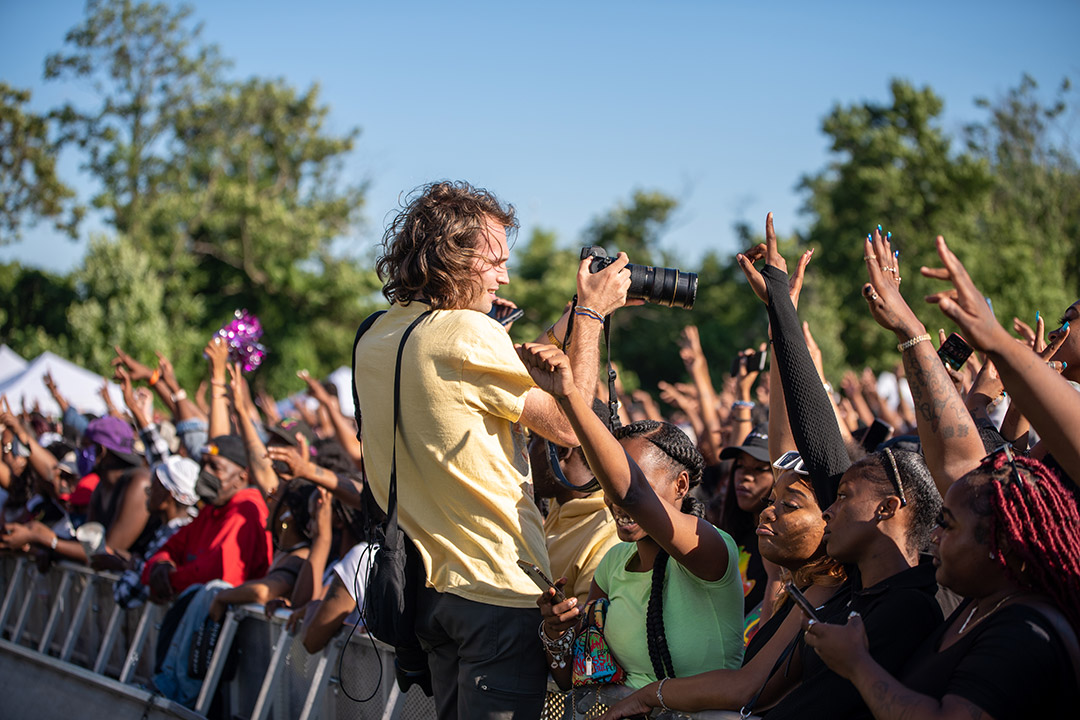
(662, 286)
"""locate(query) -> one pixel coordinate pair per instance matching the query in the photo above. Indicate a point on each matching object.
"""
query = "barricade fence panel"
(74, 606)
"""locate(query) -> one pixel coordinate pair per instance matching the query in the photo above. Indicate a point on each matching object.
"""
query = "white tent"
(11, 363)
(80, 387)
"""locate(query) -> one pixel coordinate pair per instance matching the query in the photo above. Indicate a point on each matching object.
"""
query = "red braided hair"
(1038, 520)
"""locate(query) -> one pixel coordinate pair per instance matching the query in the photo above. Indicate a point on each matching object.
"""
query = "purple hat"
(114, 435)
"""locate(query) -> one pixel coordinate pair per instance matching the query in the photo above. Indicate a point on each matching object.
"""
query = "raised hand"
(168, 374)
(882, 293)
(137, 370)
(315, 388)
(768, 251)
(963, 304)
(605, 291)
(296, 460)
(268, 405)
(217, 352)
(549, 368)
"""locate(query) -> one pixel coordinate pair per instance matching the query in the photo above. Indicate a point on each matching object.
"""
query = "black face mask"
(207, 486)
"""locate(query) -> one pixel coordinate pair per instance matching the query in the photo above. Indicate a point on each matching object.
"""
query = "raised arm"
(947, 432)
(1046, 399)
(140, 372)
(183, 407)
(689, 540)
(217, 353)
(599, 295)
(813, 423)
(260, 468)
(343, 429)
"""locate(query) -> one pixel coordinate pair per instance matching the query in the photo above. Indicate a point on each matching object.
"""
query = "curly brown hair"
(431, 246)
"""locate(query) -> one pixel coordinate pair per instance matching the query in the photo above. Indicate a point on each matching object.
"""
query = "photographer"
(464, 482)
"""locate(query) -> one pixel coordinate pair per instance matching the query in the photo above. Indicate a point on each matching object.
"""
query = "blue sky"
(565, 108)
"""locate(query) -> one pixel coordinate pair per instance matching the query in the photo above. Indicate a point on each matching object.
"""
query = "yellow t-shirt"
(579, 534)
(464, 483)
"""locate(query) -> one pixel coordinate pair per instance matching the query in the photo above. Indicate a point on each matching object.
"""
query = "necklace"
(976, 607)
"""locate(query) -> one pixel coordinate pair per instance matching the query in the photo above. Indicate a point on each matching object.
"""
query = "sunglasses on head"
(1007, 449)
(791, 460)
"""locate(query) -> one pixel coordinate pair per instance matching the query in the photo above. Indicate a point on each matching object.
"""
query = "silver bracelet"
(559, 648)
(660, 694)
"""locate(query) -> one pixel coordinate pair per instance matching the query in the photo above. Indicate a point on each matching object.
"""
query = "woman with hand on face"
(673, 583)
(1009, 541)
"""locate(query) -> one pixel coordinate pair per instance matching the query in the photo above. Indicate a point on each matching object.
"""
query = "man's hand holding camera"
(605, 291)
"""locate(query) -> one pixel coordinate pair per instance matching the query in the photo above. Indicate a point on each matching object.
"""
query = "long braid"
(681, 454)
(659, 653)
(1038, 521)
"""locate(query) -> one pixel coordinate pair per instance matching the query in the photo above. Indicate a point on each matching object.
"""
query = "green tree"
(29, 186)
(224, 195)
(33, 309)
(146, 64)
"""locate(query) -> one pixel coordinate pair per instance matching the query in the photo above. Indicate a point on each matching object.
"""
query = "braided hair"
(1037, 519)
(671, 447)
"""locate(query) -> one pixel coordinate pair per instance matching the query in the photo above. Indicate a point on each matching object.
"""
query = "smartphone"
(875, 434)
(504, 314)
(541, 579)
(754, 363)
(800, 600)
(954, 352)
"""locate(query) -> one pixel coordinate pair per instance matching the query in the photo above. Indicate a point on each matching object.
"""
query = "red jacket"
(227, 543)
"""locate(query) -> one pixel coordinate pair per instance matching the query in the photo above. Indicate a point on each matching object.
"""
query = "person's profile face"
(1069, 351)
(790, 528)
(960, 544)
(490, 268)
(850, 521)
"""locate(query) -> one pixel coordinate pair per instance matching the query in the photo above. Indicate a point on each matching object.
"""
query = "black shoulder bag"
(390, 597)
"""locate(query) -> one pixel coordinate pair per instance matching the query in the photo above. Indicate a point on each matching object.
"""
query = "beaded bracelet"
(743, 404)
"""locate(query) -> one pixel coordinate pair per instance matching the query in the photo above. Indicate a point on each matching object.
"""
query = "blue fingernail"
(879, 228)
(1065, 326)
(1036, 316)
(896, 253)
(869, 236)
(888, 235)
(1064, 365)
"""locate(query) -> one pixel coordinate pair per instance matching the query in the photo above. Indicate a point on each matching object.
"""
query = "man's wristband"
(913, 342)
(743, 404)
(180, 395)
(155, 376)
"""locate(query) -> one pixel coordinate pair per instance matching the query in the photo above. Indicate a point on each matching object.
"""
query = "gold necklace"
(983, 617)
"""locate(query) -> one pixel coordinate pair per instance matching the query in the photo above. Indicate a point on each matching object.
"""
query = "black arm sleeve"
(813, 422)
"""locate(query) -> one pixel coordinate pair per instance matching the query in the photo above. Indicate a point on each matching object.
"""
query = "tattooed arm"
(947, 431)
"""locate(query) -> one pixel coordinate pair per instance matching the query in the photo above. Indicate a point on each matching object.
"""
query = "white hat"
(178, 475)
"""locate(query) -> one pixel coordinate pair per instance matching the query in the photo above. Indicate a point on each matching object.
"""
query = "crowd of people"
(906, 544)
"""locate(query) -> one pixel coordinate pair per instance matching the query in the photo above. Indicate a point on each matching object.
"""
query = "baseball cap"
(287, 429)
(756, 445)
(230, 447)
(114, 435)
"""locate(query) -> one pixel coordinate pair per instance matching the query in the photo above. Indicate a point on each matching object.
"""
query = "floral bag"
(594, 664)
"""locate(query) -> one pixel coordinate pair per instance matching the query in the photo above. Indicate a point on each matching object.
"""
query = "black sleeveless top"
(107, 514)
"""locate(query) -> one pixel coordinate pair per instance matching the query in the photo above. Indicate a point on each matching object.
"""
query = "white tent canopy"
(11, 363)
(80, 387)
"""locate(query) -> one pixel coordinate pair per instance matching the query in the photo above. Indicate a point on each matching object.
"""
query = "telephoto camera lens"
(661, 286)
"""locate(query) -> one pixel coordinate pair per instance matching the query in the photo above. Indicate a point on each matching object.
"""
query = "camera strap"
(613, 403)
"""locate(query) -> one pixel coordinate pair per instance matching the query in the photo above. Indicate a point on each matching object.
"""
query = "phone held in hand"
(504, 314)
(876, 433)
(955, 351)
(542, 581)
(755, 362)
(805, 605)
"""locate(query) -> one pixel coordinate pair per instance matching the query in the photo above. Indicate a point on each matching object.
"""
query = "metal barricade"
(68, 613)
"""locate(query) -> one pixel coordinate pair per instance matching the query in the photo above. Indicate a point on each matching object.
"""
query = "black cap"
(756, 445)
(230, 447)
(287, 429)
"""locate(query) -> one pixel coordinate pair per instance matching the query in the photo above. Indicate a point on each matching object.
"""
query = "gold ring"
(869, 257)
(873, 296)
